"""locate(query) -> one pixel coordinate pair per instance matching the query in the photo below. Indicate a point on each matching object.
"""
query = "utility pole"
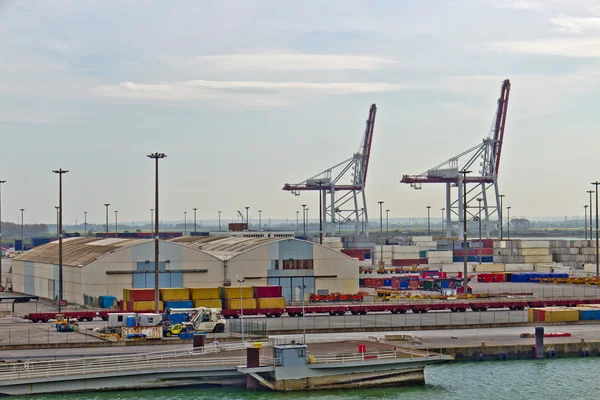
(304, 221)
(195, 209)
(60, 173)
(320, 213)
(597, 266)
(219, 221)
(585, 221)
(428, 221)
(591, 234)
(501, 212)
(156, 157)
(464, 182)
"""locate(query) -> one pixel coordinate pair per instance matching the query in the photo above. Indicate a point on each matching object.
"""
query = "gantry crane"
(344, 184)
(483, 177)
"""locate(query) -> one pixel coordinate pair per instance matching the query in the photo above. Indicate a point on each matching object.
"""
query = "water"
(548, 379)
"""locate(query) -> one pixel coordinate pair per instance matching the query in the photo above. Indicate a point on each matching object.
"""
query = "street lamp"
(240, 281)
(585, 221)
(443, 234)
(320, 213)
(156, 157)
(60, 173)
(247, 220)
(106, 205)
(260, 220)
(428, 220)
(464, 182)
(85, 222)
(381, 232)
(219, 221)
(387, 225)
(591, 235)
(116, 224)
(304, 221)
(597, 266)
(22, 234)
(479, 200)
(508, 222)
(185, 223)
(302, 288)
(501, 212)
(195, 209)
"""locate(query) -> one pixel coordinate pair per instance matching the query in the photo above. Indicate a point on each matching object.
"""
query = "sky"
(244, 96)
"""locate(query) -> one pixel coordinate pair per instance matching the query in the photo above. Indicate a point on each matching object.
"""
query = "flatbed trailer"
(72, 315)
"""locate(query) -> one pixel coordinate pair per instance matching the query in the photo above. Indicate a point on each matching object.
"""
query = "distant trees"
(13, 229)
(520, 224)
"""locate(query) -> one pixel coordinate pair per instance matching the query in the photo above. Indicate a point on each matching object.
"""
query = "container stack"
(574, 253)
(176, 298)
(384, 253)
(522, 252)
(424, 242)
(334, 243)
(360, 254)
(438, 257)
(406, 256)
(553, 314)
(236, 297)
(206, 297)
(139, 300)
(269, 297)
(475, 250)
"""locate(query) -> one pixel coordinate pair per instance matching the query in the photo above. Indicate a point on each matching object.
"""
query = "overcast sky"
(244, 96)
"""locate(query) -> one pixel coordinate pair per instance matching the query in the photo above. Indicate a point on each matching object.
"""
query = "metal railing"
(346, 358)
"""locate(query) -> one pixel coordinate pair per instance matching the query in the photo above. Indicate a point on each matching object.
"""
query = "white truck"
(202, 319)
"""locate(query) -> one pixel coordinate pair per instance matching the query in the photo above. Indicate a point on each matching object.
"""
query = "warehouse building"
(94, 267)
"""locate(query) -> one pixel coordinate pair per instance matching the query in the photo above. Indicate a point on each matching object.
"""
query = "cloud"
(198, 89)
(576, 25)
(523, 5)
(282, 61)
(570, 47)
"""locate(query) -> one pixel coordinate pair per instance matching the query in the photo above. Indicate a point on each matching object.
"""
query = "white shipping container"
(535, 251)
(537, 259)
(457, 267)
(518, 267)
(489, 268)
(422, 239)
(533, 244)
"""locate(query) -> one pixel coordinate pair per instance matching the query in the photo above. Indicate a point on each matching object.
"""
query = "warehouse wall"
(41, 279)
(333, 263)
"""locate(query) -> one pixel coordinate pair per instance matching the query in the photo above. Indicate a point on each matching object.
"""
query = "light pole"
(428, 221)
(302, 288)
(219, 221)
(464, 182)
(297, 225)
(443, 234)
(85, 223)
(22, 232)
(156, 157)
(116, 224)
(479, 200)
(508, 222)
(185, 223)
(304, 221)
(320, 213)
(195, 209)
(387, 225)
(597, 267)
(57, 215)
(247, 220)
(585, 221)
(60, 173)
(151, 219)
(381, 232)
(1, 182)
(591, 234)
(260, 220)
(240, 281)
(106, 205)
(501, 219)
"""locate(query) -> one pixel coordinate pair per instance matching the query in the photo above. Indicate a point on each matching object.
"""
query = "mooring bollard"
(539, 343)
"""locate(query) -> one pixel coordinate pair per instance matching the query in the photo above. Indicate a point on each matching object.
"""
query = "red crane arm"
(500, 123)
(366, 148)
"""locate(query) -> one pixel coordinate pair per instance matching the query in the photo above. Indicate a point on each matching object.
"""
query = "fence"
(42, 334)
(252, 327)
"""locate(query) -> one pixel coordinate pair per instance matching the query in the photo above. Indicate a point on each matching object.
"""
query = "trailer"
(71, 315)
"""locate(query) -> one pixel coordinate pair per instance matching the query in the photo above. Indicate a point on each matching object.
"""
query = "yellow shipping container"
(175, 294)
(234, 304)
(208, 303)
(126, 296)
(205, 293)
(145, 305)
(562, 315)
(271, 302)
(233, 292)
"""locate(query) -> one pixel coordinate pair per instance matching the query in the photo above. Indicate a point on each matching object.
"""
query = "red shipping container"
(141, 294)
(395, 283)
(261, 292)
(474, 252)
(443, 274)
(413, 284)
(406, 263)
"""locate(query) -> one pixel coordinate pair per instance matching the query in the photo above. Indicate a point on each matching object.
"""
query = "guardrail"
(358, 357)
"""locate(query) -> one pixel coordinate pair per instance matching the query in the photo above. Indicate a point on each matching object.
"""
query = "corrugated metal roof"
(224, 247)
(77, 252)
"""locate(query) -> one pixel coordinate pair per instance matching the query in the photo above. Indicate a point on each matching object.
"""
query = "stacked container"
(206, 297)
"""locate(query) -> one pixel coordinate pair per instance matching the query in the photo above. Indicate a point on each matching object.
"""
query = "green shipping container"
(423, 254)
(427, 285)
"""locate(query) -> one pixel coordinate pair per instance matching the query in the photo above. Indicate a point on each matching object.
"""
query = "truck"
(201, 319)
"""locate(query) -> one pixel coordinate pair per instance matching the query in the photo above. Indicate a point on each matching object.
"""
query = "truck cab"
(201, 319)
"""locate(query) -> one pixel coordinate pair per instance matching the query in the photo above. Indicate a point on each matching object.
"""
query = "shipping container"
(562, 315)
(145, 305)
(178, 304)
(236, 304)
(175, 294)
(210, 303)
(141, 332)
(107, 301)
(138, 294)
(234, 292)
(589, 313)
(205, 293)
(267, 291)
(274, 302)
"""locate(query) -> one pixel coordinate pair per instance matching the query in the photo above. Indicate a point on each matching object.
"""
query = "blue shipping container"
(179, 304)
(403, 285)
(387, 282)
(178, 318)
(589, 315)
(107, 301)
(186, 335)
